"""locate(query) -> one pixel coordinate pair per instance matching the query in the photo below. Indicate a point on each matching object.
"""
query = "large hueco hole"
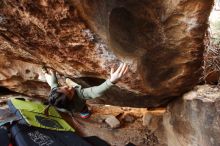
(121, 29)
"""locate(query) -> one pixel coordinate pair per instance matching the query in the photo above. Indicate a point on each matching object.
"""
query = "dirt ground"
(131, 128)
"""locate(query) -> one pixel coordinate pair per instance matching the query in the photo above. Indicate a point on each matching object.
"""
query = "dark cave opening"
(4, 91)
(92, 81)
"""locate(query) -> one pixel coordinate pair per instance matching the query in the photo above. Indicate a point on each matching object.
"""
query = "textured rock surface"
(194, 120)
(22, 77)
(163, 38)
(161, 42)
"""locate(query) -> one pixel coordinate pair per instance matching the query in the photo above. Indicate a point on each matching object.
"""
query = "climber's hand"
(47, 71)
(115, 76)
(50, 76)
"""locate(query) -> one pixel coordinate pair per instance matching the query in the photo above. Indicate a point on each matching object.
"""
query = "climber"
(72, 97)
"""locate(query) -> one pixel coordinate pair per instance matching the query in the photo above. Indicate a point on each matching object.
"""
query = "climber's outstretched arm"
(50, 77)
(97, 91)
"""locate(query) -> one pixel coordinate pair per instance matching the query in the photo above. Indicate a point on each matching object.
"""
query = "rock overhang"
(160, 41)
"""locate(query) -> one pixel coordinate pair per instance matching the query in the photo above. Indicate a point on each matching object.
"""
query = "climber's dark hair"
(56, 98)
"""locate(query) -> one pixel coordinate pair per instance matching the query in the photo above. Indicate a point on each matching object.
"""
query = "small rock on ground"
(147, 118)
(112, 121)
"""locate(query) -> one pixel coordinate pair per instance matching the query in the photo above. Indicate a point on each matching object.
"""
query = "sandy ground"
(131, 129)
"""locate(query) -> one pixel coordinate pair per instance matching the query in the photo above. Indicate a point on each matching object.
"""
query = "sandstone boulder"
(161, 41)
(194, 120)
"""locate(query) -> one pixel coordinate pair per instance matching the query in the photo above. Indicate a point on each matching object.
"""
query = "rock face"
(163, 38)
(194, 120)
(160, 40)
(23, 77)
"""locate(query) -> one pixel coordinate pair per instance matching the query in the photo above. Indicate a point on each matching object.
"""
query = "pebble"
(112, 121)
